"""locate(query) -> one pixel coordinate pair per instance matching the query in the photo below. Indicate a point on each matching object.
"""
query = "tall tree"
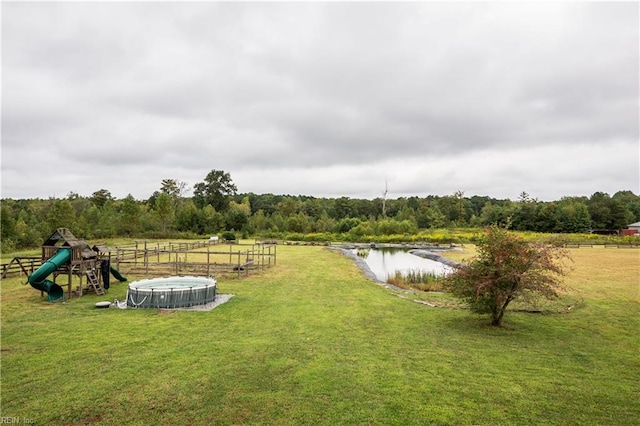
(631, 201)
(572, 216)
(524, 214)
(175, 189)
(164, 209)
(289, 206)
(187, 217)
(259, 222)
(130, 216)
(324, 223)
(298, 222)
(210, 221)
(344, 208)
(494, 214)
(215, 190)
(8, 233)
(100, 197)
(61, 215)
(237, 216)
(506, 268)
(434, 217)
(600, 211)
(460, 205)
(547, 218)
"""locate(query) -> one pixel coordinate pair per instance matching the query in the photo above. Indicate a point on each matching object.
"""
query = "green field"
(312, 341)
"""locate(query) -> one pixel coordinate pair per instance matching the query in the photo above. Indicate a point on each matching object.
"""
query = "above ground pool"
(171, 292)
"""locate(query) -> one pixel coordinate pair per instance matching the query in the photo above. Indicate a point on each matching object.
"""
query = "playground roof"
(66, 237)
(101, 248)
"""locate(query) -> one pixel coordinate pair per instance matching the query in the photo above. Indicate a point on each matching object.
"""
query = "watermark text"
(16, 420)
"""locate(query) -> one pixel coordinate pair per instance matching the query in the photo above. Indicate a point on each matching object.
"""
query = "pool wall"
(171, 292)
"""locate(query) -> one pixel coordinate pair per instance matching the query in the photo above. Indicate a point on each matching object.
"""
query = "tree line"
(216, 206)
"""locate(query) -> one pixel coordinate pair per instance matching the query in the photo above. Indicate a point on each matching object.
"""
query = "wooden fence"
(21, 265)
(194, 258)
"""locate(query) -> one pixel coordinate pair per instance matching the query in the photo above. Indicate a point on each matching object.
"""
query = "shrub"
(506, 268)
(229, 236)
(345, 225)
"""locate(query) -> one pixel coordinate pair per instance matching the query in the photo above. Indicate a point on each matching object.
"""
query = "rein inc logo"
(16, 420)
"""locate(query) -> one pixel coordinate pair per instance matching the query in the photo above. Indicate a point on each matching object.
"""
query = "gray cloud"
(321, 99)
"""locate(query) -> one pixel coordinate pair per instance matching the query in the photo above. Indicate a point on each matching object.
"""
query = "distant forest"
(216, 207)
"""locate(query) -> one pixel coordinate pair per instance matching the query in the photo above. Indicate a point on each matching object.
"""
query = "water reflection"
(385, 262)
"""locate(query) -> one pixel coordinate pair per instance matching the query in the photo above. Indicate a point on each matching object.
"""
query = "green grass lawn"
(312, 341)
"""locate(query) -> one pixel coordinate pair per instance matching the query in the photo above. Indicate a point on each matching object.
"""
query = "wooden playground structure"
(64, 254)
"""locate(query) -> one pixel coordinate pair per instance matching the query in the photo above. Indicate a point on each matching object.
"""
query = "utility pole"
(384, 197)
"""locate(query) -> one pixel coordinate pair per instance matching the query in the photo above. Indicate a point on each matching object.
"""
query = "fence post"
(146, 260)
(246, 270)
(208, 261)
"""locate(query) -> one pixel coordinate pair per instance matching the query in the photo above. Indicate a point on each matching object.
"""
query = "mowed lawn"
(312, 341)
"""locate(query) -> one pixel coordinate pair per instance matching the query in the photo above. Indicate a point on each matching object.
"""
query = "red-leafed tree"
(507, 268)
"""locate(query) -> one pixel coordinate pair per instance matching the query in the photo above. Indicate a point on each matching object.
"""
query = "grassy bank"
(311, 341)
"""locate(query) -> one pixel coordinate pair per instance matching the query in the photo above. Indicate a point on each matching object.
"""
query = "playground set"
(88, 269)
(64, 254)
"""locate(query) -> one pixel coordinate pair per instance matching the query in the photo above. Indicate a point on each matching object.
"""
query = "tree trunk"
(496, 319)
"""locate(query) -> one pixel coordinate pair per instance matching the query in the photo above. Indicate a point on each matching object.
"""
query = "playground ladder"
(93, 282)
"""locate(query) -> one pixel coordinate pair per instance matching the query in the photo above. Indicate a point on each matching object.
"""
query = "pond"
(385, 262)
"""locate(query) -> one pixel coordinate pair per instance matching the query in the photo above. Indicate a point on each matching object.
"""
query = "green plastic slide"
(39, 281)
(117, 274)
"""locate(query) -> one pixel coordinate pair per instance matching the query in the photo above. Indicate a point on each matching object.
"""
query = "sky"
(321, 99)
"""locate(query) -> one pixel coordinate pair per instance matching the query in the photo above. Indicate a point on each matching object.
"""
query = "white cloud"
(321, 98)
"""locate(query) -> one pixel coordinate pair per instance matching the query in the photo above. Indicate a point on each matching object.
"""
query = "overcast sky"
(322, 99)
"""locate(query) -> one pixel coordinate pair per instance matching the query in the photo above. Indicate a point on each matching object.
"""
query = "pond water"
(385, 262)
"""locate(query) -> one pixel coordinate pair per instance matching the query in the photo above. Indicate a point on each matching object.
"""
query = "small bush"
(229, 236)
